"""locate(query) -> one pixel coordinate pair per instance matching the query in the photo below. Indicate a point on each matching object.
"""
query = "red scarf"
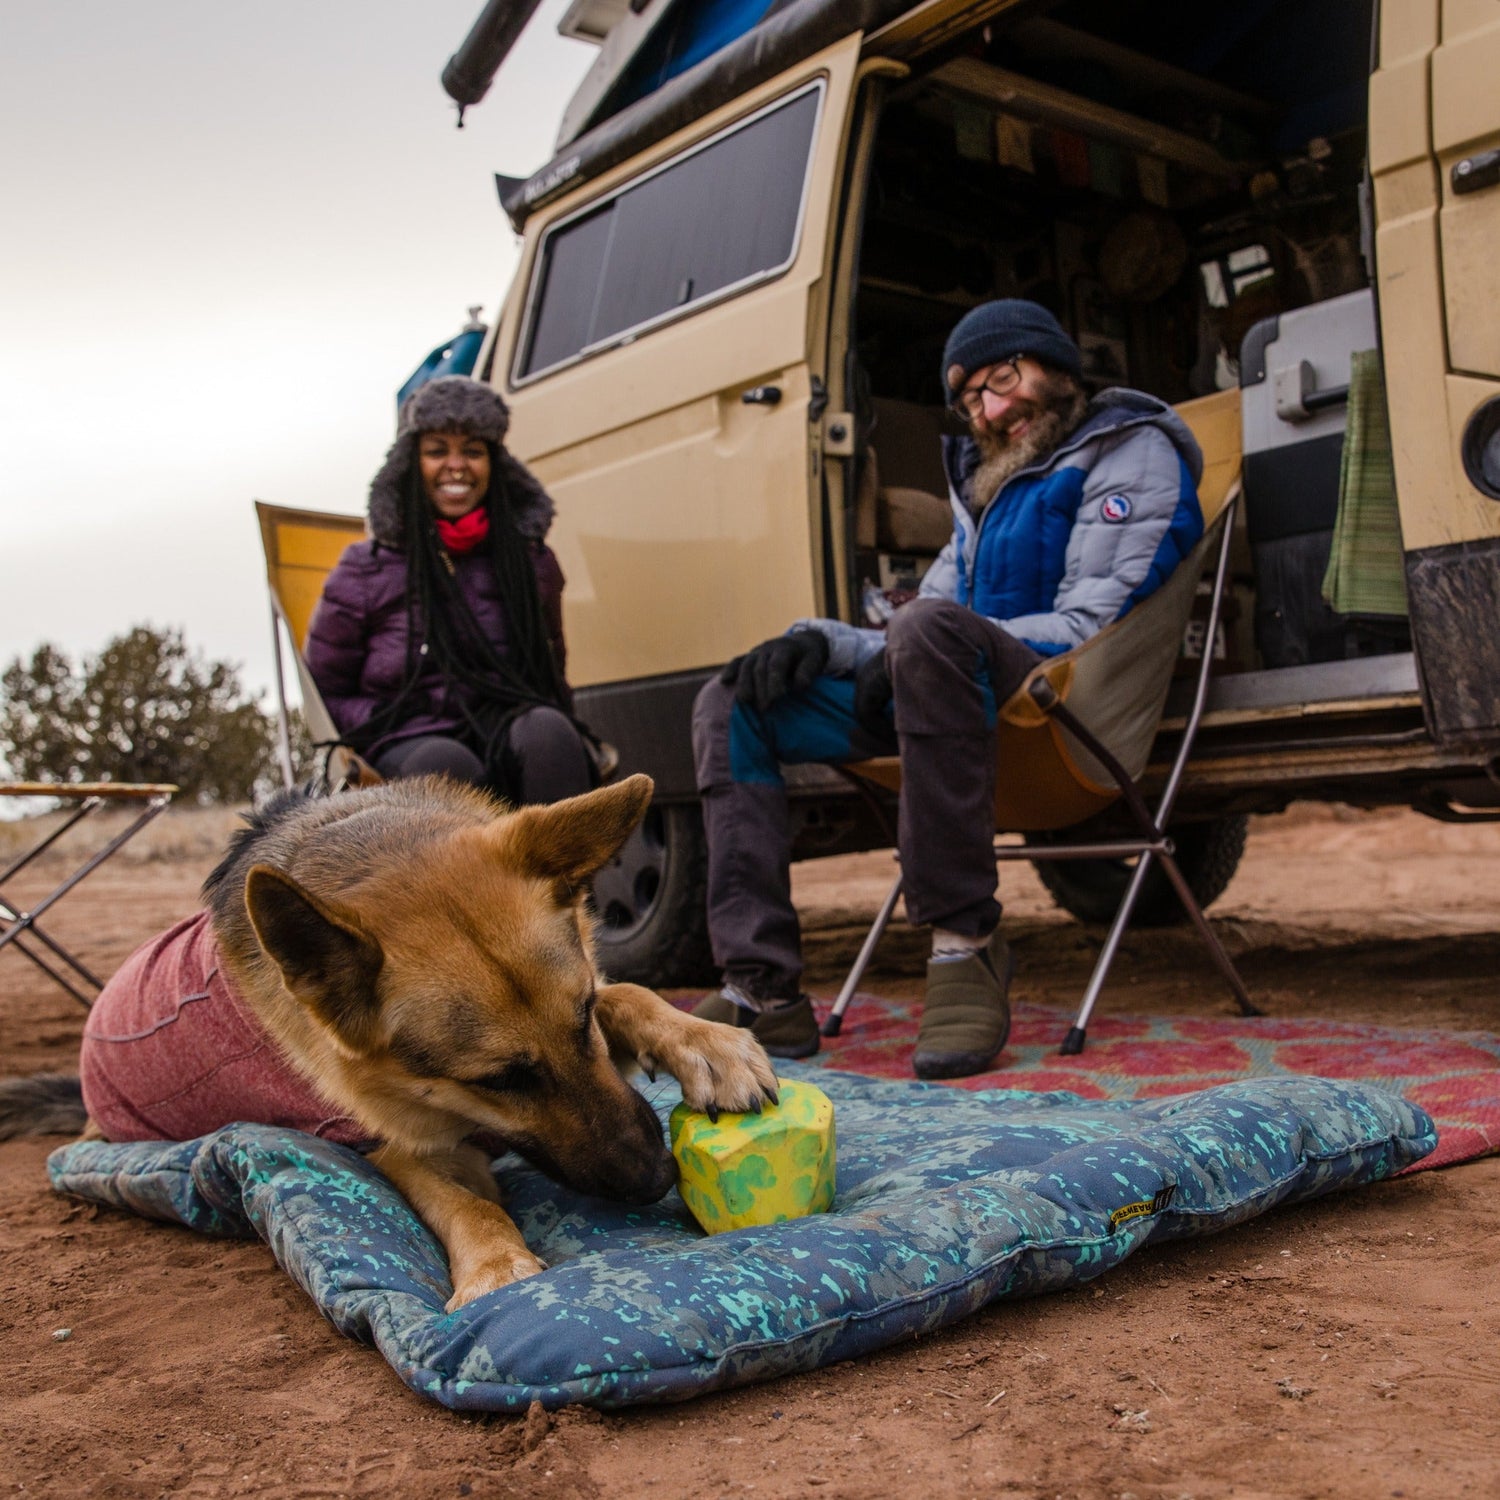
(467, 532)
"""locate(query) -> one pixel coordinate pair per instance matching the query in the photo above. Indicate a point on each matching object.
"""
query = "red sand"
(1344, 1348)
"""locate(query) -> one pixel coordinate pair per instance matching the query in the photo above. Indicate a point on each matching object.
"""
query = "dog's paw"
(491, 1274)
(721, 1068)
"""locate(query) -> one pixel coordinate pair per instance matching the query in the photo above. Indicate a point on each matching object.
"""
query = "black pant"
(551, 759)
(950, 670)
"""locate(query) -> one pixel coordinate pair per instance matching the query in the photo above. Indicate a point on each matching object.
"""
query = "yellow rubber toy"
(757, 1169)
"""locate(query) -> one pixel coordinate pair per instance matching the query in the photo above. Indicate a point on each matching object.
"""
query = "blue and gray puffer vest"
(1076, 540)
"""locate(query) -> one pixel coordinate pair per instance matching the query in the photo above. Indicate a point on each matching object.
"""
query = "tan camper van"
(722, 345)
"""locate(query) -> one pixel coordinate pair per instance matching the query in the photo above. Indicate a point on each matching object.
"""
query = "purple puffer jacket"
(356, 641)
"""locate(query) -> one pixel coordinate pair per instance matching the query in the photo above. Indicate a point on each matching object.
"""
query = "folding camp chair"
(1075, 737)
(19, 926)
(301, 547)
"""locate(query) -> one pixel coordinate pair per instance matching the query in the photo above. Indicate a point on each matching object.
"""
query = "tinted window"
(720, 216)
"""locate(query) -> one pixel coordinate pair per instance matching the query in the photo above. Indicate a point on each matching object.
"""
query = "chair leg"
(1073, 1042)
(1211, 939)
(835, 1020)
(1153, 825)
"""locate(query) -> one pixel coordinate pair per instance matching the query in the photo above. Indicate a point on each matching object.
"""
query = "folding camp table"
(21, 927)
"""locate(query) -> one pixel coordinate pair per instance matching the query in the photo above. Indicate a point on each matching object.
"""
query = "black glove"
(872, 694)
(782, 665)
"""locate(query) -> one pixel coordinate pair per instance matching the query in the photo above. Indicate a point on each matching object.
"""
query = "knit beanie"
(454, 403)
(995, 331)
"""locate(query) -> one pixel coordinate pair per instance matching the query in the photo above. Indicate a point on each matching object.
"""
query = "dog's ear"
(567, 842)
(325, 963)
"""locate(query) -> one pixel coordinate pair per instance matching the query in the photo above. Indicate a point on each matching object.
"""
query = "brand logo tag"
(1144, 1208)
(1116, 509)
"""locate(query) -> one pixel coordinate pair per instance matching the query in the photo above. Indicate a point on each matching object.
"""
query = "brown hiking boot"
(966, 1016)
(785, 1028)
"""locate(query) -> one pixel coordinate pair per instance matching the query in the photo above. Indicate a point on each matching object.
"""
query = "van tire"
(652, 924)
(1208, 854)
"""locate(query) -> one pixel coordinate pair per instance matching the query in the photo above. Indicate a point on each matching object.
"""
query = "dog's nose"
(650, 1182)
(666, 1176)
(653, 1167)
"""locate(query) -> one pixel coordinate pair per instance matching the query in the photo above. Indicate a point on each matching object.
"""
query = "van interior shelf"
(961, 299)
(1030, 99)
(1052, 41)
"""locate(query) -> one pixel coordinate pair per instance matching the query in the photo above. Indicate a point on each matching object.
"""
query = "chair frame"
(319, 721)
(283, 717)
(1150, 843)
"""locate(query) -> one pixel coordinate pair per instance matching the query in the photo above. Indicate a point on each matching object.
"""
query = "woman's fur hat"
(454, 403)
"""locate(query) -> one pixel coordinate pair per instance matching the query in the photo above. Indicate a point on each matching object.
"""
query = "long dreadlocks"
(443, 632)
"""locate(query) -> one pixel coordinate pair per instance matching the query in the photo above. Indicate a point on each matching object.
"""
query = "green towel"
(1366, 568)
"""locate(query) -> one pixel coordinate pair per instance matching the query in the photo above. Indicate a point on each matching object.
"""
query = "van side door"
(656, 354)
(1434, 129)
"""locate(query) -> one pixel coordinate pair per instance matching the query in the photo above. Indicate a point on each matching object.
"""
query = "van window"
(706, 224)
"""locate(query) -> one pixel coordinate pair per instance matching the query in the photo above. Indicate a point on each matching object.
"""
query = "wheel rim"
(627, 887)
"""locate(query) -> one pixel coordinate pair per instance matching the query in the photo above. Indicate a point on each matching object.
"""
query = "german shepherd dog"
(423, 956)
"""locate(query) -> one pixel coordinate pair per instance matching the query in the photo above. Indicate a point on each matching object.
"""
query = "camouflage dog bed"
(947, 1200)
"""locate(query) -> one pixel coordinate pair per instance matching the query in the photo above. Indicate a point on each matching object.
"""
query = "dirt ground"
(1342, 1348)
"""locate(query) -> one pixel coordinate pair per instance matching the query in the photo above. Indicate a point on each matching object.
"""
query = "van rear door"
(1434, 120)
(656, 356)
(1466, 141)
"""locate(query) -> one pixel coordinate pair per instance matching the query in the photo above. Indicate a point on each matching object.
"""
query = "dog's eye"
(517, 1078)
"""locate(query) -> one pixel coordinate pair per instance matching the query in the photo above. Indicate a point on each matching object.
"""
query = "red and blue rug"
(1454, 1076)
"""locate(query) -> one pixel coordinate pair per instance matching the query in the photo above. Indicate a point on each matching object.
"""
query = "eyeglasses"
(968, 405)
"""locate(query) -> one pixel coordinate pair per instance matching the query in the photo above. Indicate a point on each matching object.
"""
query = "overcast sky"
(229, 232)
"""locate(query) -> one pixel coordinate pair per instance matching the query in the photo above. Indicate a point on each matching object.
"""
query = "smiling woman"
(455, 472)
(437, 644)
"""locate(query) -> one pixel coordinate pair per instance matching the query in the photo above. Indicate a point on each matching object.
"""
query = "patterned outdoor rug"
(1454, 1076)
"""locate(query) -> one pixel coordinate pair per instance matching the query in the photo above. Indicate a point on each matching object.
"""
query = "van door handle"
(1475, 172)
(762, 395)
(1296, 394)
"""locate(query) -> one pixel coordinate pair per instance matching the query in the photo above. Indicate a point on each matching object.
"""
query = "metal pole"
(283, 728)
(835, 1022)
(60, 979)
(1073, 1042)
(9, 913)
(1034, 854)
(1200, 697)
(83, 809)
(1210, 937)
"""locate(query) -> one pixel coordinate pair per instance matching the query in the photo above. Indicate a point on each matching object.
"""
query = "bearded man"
(1067, 512)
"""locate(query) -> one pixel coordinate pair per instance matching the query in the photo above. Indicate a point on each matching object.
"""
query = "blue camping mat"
(947, 1200)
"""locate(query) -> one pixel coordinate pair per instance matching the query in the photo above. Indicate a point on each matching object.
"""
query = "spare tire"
(1208, 854)
(652, 925)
